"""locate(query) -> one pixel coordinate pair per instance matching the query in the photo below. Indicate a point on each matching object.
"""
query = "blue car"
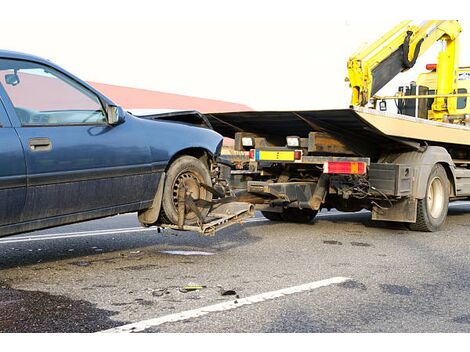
(69, 154)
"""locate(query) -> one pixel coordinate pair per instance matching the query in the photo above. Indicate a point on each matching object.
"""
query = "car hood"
(189, 117)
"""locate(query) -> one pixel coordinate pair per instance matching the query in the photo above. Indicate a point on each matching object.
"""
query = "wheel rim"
(191, 180)
(435, 198)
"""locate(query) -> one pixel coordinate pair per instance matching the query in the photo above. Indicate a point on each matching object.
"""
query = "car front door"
(12, 171)
(76, 162)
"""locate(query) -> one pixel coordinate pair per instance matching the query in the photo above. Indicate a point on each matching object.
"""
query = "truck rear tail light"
(297, 155)
(344, 167)
(251, 154)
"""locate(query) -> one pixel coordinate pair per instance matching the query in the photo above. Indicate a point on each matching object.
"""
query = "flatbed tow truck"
(404, 166)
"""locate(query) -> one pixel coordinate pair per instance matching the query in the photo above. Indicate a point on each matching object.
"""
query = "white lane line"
(135, 229)
(64, 235)
(145, 324)
(49, 236)
(76, 235)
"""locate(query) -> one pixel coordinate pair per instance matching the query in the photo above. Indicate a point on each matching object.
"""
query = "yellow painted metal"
(429, 80)
(361, 64)
(276, 155)
(429, 96)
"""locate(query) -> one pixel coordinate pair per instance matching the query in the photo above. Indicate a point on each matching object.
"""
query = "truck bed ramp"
(365, 131)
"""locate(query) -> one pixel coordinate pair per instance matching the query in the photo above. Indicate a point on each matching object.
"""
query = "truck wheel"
(432, 210)
(298, 215)
(272, 216)
(189, 172)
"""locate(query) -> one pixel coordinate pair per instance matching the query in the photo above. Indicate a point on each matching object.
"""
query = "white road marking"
(76, 234)
(145, 324)
(17, 239)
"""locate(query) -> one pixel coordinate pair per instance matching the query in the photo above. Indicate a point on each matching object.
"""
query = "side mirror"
(12, 79)
(115, 115)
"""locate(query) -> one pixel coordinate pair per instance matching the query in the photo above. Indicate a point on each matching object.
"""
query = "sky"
(269, 55)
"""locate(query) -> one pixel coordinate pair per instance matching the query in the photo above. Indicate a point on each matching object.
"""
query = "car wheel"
(432, 210)
(188, 172)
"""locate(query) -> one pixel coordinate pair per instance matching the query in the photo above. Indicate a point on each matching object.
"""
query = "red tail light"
(297, 155)
(251, 154)
(431, 67)
(344, 167)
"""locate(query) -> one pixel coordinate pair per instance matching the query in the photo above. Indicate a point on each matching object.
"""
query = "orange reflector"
(344, 167)
(431, 67)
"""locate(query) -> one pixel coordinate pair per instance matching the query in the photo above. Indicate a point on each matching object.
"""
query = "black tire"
(432, 210)
(189, 171)
(272, 216)
(298, 215)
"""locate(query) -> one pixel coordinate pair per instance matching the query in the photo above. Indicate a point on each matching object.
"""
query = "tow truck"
(403, 166)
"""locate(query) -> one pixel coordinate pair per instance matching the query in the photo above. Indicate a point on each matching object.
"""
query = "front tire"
(189, 172)
(432, 210)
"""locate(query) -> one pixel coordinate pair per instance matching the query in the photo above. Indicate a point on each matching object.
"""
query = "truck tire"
(298, 215)
(191, 172)
(432, 210)
(272, 216)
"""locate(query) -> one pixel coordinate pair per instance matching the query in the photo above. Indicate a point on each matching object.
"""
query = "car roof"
(7, 54)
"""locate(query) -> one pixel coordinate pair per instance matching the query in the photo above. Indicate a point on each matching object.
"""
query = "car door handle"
(40, 144)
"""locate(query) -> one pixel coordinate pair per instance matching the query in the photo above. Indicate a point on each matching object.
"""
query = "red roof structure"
(135, 98)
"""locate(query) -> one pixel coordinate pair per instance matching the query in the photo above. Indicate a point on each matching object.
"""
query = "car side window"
(43, 96)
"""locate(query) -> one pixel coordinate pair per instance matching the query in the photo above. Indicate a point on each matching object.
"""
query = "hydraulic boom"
(372, 67)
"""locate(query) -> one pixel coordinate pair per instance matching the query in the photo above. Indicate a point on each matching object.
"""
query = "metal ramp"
(221, 216)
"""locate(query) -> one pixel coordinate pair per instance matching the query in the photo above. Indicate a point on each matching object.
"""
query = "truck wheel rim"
(435, 198)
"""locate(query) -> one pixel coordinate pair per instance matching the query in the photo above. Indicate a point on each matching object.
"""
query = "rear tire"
(432, 210)
(191, 172)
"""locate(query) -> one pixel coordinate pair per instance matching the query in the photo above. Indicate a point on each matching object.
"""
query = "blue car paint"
(90, 171)
(13, 172)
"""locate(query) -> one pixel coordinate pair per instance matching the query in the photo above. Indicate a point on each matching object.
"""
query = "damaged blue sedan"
(69, 154)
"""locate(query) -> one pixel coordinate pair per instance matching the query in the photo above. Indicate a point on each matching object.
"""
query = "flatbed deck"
(367, 132)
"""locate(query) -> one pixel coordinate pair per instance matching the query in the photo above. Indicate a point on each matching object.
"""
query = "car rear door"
(76, 162)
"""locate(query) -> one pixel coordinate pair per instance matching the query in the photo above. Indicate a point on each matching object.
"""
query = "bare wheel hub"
(191, 182)
(435, 197)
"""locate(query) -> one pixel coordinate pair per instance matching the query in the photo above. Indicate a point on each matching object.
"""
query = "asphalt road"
(342, 273)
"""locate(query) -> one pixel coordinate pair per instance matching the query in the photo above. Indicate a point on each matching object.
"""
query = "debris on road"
(190, 288)
(228, 293)
(183, 252)
(160, 292)
(333, 242)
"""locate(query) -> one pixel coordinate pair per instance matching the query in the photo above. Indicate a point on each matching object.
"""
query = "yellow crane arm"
(372, 67)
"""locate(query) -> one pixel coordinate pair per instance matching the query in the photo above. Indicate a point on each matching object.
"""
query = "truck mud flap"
(221, 216)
